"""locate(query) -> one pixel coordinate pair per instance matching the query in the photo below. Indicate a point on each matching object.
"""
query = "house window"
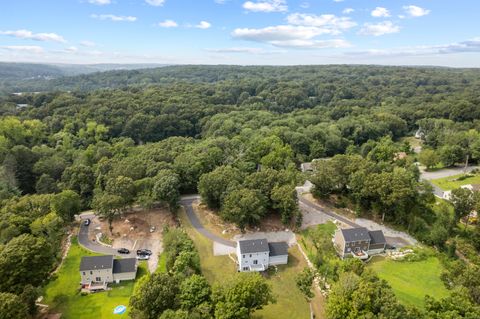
(243, 256)
(245, 268)
(98, 279)
(84, 273)
(250, 255)
(255, 262)
(91, 272)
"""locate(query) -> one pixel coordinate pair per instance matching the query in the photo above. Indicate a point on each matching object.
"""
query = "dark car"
(147, 252)
(87, 222)
(123, 251)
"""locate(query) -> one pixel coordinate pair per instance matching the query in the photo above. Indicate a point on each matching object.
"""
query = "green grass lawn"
(62, 294)
(450, 182)
(322, 231)
(290, 302)
(411, 281)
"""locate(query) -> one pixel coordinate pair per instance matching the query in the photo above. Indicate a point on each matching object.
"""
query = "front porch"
(94, 286)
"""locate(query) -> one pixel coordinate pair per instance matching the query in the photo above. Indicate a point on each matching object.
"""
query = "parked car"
(144, 252)
(143, 257)
(123, 251)
(152, 229)
(87, 222)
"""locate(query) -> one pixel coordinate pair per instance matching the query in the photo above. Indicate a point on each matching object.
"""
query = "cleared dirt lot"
(132, 231)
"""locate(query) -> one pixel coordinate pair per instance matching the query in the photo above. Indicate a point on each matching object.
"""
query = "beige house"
(359, 242)
(96, 272)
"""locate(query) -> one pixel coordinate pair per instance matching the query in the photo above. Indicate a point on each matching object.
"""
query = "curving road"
(187, 202)
(85, 241)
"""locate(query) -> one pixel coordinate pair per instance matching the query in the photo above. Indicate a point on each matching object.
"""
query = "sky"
(273, 32)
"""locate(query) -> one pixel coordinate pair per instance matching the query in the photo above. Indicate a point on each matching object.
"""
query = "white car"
(143, 257)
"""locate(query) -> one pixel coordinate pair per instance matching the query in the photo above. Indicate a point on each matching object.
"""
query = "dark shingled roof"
(377, 237)
(96, 262)
(278, 249)
(124, 265)
(253, 246)
(355, 234)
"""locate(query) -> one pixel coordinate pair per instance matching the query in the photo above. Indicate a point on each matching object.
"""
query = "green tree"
(12, 307)
(153, 295)
(24, 260)
(108, 206)
(304, 282)
(194, 291)
(240, 296)
(244, 207)
(166, 188)
(429, 158)
(215, 185)
(285, 200)
(463, 201)
(66, 204)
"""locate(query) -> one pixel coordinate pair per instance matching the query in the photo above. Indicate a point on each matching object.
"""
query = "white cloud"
(472, 45)
(155, 3)
(113, 17)
(378, 29)
(414, 11)
(289, 36)
(348, 10)
(380, 12)
(100, 2)
(26, 34)
(327, 23)
(304, 5)
(168, 24)
(23, 48)
(87, 43)
(266, 6)
(203, 25)
(338, 0)
(71, 49)
(238, 50)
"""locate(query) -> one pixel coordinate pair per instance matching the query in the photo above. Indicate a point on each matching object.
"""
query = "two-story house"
(259, 254)
(98, 271)
(359, 242)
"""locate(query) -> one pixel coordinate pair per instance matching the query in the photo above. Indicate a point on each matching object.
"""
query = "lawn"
(290, 302)
(62, 294)
(450, 182)
(411, 281)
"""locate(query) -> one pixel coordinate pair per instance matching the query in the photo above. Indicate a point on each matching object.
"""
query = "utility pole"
(466, 165)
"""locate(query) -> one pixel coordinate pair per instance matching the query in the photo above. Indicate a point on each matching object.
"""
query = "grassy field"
(322, 231)
(450, 182)
(290, 302)
(62, 294)
(411, 281)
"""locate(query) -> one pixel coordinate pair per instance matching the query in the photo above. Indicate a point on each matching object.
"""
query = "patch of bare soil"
(215, 224)
(132, 231)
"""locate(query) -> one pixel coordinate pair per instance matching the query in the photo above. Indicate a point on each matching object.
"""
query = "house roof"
(96, 262)
(278, 249)
(355, 234)
(377, 237)
(124, 265)
(253, 246)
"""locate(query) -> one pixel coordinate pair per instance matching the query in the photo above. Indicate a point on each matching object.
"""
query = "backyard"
(455, 181)
(411, 281)
(63, 296)
(290, 302)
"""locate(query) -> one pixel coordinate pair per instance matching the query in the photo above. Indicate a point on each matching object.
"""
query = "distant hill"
(37, 77)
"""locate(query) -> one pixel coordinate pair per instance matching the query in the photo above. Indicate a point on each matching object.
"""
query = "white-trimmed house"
(259, 254)
(359, 242)
(96, 272)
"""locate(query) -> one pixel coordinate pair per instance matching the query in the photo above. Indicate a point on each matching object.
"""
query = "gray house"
(259, 254)
(97, 272)
(359, 242)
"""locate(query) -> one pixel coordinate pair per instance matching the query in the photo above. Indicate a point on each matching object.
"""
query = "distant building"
(259, 254)
(472, 187)
(98, 271)
(359, 242)
(400, 156)
(308, 166)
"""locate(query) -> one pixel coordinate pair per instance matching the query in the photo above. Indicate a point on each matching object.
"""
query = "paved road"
(446, 172)
(84, 239)
(187, 202)
(307, 205)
